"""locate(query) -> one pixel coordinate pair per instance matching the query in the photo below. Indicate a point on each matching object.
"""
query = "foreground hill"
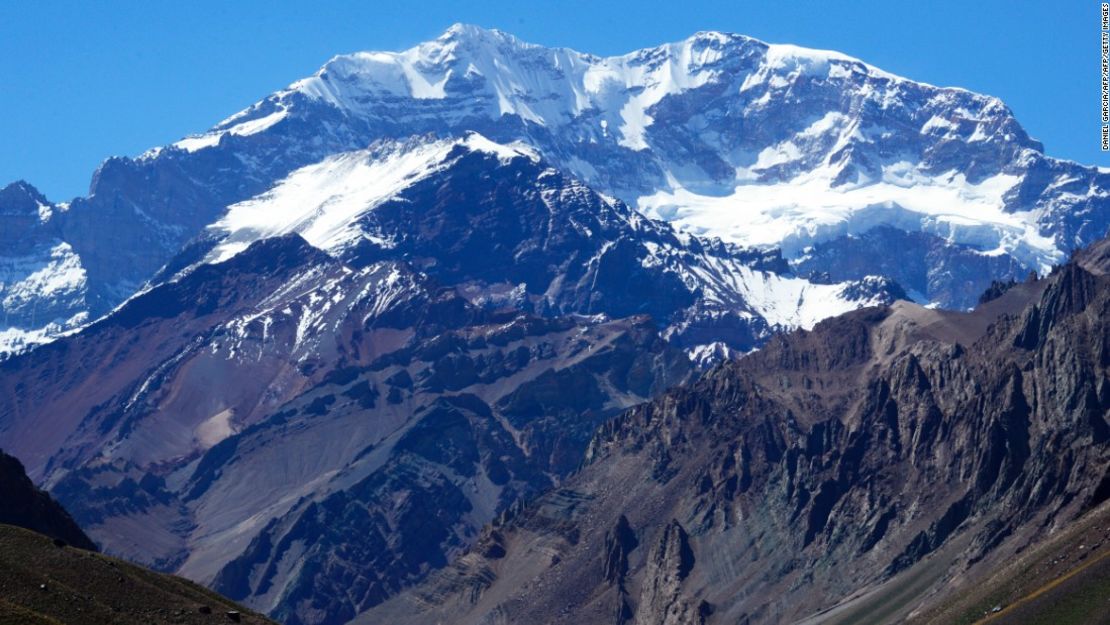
(1063, 580)
(43, 584)
(50, 572)
(895, 453)
(26, 506)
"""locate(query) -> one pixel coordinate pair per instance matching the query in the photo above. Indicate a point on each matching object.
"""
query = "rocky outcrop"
(619, 541)
(662, 599)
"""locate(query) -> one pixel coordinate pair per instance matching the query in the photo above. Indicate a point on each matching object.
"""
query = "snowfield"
(323, 202)
(795, 214)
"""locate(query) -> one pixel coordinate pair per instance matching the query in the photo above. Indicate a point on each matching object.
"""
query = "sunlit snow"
(322, 202)
(797, 213)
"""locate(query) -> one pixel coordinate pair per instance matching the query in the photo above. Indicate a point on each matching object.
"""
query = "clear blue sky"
(81, 81)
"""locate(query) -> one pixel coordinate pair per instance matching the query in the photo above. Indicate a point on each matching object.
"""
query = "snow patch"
(24, 279)
(212, 138)
(322, 202)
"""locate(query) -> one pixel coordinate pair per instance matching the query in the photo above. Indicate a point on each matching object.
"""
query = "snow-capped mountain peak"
(499, 218)
(843, 168)
(746, 122)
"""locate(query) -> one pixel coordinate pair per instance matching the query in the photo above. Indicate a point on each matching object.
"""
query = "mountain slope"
(477, 294)
(894, 443)
(176, 428)
(43, 286)
(1060, 581)
(472, 212)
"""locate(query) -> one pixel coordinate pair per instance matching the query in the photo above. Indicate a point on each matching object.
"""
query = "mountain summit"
(844, 169)
(760, 144)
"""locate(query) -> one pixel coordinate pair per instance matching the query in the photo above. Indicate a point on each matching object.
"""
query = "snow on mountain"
(451, 204)
(46, 289)
(785, 302)
(765, 145)
(545, 86)
(323, 202)
(795, 214)
(846, 169)
(43, 283)
(59, 273)
(207, 140)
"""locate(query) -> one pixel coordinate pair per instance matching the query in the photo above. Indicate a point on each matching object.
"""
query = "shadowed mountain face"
(26, 506)
(915, 447)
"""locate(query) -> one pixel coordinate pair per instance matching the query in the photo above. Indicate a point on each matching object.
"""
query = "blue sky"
(83, 81)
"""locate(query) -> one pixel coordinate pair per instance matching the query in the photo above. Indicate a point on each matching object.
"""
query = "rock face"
(43, 284)
(28, 507)
(662, 598)
(893, 449)
(817, 155)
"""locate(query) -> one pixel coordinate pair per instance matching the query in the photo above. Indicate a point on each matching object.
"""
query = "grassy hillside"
(41, 583)
(1065, 580)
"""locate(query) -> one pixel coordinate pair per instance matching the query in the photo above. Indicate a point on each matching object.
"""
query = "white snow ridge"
(322, 202)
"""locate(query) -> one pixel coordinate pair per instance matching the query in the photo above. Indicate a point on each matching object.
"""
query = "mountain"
(28, 507)
(761, 145)
(773, 148)
(887, 458)
(43, 584)
(290, 418)
(471, 212)
(43, 286)
(305, 357)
